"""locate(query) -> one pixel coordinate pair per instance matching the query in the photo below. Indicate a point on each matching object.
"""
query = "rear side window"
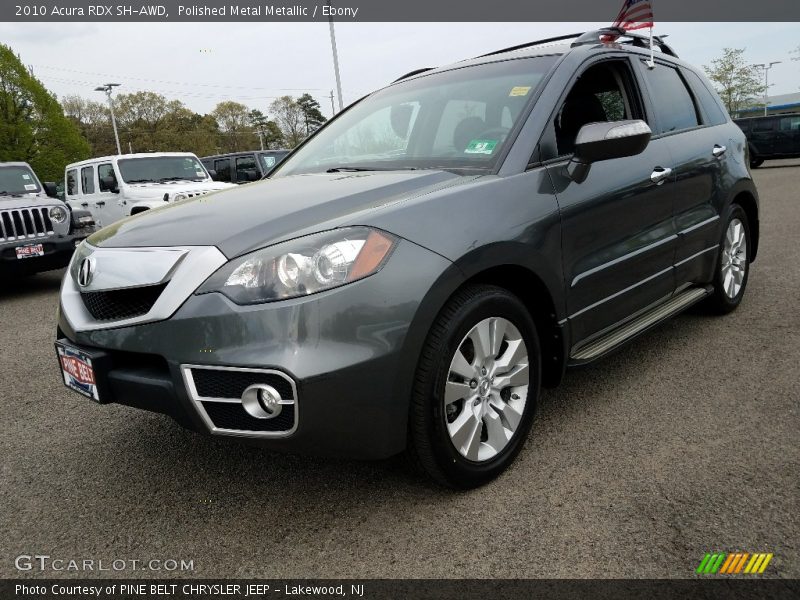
(790, 124)
(72, 182)
(674, 105)
(713, 111)
(223, 169)
(87, 180)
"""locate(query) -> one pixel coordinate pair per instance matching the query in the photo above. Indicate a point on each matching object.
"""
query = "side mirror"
(213, 174)
(110, 183)
(51, 189)
(605, 141)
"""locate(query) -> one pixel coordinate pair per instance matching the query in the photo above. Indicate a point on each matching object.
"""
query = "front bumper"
(57, 254)
(345, 350)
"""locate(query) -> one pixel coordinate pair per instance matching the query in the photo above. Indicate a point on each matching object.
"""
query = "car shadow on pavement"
(40, 283)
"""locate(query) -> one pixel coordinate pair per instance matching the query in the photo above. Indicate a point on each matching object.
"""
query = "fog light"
(262, 401)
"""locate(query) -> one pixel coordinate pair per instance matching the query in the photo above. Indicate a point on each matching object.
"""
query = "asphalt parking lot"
(683, 443)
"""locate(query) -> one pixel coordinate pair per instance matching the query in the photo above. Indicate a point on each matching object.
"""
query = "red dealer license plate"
(77, 371)
(30, 251)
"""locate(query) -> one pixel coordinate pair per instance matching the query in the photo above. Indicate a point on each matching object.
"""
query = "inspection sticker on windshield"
(481, 147)
(520, 90)
(26, 176)
(30, 186)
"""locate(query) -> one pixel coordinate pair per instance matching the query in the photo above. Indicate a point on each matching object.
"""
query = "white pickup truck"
(114, 187)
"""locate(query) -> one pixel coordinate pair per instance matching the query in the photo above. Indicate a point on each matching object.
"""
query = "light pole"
(335, 58)
(107, 88)
(766, 80)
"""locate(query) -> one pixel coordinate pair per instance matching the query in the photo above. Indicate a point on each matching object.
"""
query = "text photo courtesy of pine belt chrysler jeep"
(413, 273)
(38, 232)
(115, 187)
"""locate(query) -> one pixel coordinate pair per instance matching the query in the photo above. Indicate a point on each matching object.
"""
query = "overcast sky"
(204, 63)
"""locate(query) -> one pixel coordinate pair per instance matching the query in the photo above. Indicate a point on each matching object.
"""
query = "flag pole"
(652, 63)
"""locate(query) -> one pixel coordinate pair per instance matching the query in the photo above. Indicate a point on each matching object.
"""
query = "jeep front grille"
(25, 223)
(115, 305)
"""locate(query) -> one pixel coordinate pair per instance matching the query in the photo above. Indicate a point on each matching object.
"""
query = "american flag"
(635, 14)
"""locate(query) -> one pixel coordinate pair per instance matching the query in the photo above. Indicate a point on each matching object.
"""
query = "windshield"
(15, 180)
(458, 119)
(161, 169)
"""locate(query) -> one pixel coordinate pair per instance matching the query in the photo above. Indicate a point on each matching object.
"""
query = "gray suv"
(38, 232)
(412, 274)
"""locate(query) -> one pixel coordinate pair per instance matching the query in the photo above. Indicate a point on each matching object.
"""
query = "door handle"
(718, 150)
(660, 174)
(101, 203)
(84, 204)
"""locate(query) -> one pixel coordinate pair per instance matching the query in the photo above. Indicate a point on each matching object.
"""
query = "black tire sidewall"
(491, 302)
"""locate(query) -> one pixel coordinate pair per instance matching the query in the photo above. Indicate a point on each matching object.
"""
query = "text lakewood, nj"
(267, 10)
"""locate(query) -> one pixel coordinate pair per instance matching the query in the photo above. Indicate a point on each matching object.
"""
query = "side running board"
(655, 315)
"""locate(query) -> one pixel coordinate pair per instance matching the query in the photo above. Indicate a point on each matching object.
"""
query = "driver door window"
(601, 94)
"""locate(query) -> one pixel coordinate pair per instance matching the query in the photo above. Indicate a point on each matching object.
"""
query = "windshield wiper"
(139, 181)
(178, 179)
(355, 169)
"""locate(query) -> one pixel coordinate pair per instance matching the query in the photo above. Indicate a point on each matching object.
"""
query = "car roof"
(243, 152)
(15, 164)
(113, 157)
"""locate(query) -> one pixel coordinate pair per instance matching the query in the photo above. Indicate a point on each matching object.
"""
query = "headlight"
(58, 214)
(179, 197)
(303, 266)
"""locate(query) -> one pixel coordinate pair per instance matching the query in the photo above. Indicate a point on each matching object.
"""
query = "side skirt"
(611, 340)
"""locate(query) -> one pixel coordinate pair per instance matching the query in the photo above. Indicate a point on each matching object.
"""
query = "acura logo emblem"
(86, 272)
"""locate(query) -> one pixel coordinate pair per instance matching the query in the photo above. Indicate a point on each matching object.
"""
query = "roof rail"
(636, 39)
(412, 73)
(559, 38)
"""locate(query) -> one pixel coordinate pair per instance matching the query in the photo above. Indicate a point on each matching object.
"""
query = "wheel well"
(748, 204)
(534, 294)
(139, 209)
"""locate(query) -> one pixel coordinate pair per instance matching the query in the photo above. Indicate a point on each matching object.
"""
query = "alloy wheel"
(734, 258)
(486, 389)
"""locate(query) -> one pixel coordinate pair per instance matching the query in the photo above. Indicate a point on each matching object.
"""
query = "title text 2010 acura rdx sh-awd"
(413, 273)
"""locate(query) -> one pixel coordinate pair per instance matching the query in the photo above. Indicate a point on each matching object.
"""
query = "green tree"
(236, 129)
(33, 127)
(268, 131)
(290, 117)
(738, 82)
(312, 115)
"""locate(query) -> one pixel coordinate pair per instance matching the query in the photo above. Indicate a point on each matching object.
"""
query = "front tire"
(733, 263)
(476, 388)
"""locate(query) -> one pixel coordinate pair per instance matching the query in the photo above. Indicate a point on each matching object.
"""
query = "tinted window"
(764, 125)
(714, 114)
(105, 170)
(244, 166)
(602, 93)
(744, 126)
(223, 168)
(87, 180)
(675, 109)
(72, 182)
(790, 124)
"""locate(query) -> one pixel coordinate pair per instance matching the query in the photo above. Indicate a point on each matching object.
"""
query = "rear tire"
(476, 388)
(756, 162)
(733, 263)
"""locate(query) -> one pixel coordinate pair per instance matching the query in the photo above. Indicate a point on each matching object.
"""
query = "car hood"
(157, 190)
(28, 201)
(260, 214)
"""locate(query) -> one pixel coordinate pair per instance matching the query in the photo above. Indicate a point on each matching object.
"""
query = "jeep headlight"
(303, 266)
(58, 214)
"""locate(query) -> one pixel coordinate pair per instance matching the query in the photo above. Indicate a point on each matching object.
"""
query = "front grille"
(215, 383)
(229, 415)
(122, 304)
(25, 223)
